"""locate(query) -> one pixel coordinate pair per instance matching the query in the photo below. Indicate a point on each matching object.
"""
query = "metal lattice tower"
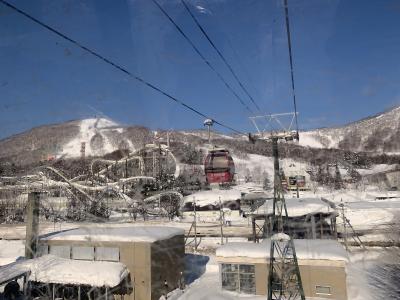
(284, 280)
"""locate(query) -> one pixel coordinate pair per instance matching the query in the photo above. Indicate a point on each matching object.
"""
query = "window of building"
(107, 253)
(323, 290)
(238, 278)
(83, 252)
(61, 251)
(43, 249)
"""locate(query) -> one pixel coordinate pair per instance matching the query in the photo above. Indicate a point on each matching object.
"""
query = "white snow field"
(88, 129)
(10, 251)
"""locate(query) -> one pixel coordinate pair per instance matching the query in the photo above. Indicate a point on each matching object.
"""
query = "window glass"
(43, 249)
(230, 281)
(84, 253)
(239, 278)
(61, 251)
(229, 268)
(107, 253)
(247, 283)
(325, 290)
(220, 162)
(246, 268)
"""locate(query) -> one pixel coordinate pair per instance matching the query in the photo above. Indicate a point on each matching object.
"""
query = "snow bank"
(305, 249)
(369, 214)
(117, 234)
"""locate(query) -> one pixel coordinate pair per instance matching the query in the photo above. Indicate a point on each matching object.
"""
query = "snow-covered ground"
(10, 251)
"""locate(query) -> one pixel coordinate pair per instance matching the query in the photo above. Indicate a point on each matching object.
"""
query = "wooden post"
(221, 221)
(321, 226)
(344, 225)
(32, 225)
(313, 229)
(195, 224)
(253, 225)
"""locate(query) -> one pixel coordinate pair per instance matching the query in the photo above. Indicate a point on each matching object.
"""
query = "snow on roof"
(305, 249)
(204, 198)
(13, 270)
(258, 195)
(117, 234)
(377, 169)
(52, 269)
(389, 204)
(297, 207)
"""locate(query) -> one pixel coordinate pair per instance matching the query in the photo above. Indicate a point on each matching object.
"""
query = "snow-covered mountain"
(379, 134)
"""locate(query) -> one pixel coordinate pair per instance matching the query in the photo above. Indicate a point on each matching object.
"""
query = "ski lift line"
(273, 118)
(220, 54)
(202, 56)
(122, 69)
(291, 62)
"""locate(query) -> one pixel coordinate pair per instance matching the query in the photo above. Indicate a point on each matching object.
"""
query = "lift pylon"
(284, 280)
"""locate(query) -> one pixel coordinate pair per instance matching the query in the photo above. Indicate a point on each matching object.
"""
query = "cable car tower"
(284, 280)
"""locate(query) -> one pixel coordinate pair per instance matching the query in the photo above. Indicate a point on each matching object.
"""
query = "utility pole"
(195, 223)
(284, 280)
(344, 225)
(32, 225)
(221, 218)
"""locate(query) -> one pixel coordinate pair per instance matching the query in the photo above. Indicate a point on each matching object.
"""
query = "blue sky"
(346, 61)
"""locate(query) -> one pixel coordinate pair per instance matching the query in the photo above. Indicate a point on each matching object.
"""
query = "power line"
(220, 54)
(122, 69)
(201, 55)
(291, 62)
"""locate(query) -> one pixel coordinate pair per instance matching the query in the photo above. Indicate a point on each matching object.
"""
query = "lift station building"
(153, 255)
(244, 268)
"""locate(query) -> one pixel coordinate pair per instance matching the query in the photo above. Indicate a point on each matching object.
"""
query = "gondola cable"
(291, 64)
(220, 55)
(179, 29)
(122, 69)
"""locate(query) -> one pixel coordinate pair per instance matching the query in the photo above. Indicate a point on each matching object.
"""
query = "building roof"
(204, 198)
(297, 207)
(305, 249)
(116, 234)
(53, 269)
(12, 271)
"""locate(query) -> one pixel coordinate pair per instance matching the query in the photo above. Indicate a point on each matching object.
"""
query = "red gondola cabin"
(219, 166)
